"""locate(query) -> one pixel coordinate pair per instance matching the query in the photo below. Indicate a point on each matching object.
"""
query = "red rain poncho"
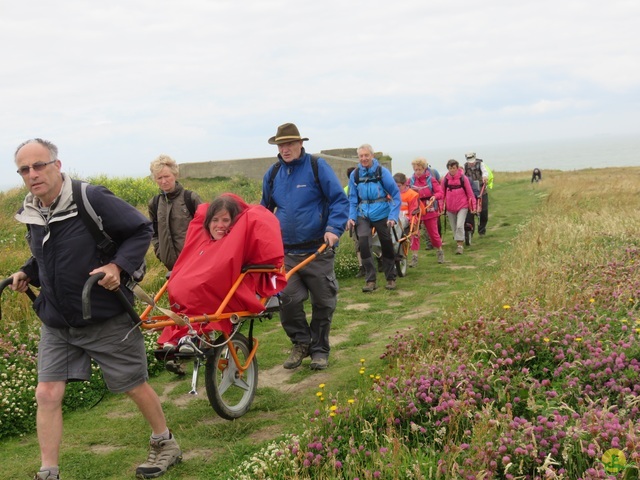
(206, 269)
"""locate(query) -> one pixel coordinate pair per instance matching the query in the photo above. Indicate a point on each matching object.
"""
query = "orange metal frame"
(160, 321)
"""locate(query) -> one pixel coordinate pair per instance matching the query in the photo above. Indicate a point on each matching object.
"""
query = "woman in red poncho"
(223, 237)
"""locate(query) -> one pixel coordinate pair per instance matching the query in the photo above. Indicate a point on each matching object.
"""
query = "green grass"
(109, 439)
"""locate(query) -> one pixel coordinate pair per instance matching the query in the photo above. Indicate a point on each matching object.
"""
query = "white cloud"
(118, 82)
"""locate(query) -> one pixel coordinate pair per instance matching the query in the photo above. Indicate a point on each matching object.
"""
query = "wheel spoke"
(227, 378)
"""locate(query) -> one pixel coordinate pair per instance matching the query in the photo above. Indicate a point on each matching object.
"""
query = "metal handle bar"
(86, 298)
(307, 260)
(250, 268)
(8, 281)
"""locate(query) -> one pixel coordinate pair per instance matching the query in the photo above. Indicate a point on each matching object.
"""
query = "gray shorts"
(64, 354)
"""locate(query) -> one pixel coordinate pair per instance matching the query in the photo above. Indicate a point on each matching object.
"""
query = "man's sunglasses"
(38, 167)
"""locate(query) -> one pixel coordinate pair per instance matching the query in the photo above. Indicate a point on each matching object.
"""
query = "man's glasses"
(38, 167)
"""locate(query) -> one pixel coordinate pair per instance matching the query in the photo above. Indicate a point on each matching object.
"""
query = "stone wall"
(339, 159)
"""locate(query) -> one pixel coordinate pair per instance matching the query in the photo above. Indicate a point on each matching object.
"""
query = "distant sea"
(576, 154)
(598, 152)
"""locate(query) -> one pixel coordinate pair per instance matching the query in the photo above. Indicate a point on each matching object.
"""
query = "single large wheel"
(401, 267)
(231, 393)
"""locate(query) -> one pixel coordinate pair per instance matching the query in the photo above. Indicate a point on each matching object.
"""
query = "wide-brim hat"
(286, 133)
(470, 156)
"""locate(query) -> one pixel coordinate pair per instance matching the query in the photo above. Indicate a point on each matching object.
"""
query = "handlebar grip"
(86, 294)
(5, 283)
(86, 298)
(8, 281)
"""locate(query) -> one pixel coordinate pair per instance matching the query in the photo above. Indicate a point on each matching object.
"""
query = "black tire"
(401, 259)
(401, 267)
(468, 235)
(229, 393)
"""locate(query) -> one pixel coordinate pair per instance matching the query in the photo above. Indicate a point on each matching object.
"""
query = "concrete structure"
(339, 159)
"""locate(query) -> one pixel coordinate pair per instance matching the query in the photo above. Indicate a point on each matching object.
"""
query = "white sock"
(166, 435)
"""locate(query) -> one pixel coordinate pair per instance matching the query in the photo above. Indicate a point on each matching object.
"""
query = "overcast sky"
(114, 84)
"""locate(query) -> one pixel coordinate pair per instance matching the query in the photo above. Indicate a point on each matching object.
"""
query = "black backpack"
(107, 247)
(377, 176)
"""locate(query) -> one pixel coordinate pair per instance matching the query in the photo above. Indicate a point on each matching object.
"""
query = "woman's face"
(418, 170)
(452, 169)
(165, 180)
(219, 225)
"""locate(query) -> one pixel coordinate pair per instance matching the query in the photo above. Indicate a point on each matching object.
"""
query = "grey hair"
(161, 162)
(53, 150)
(366, 146)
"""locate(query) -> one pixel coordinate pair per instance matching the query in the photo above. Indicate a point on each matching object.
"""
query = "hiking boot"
(414, 261)
(319, 363)
(369, 287)
(176, 367)
(440, 254)
(298, 352)
(46, 475)
(187, 346)
(361, 272)
(162, 454)
(391, 285)
(459, 250)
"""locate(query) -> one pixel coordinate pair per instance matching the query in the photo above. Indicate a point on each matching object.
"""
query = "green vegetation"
(519, 359)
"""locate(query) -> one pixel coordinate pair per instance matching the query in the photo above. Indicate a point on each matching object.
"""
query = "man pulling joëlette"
(64, 255)
(309, 201)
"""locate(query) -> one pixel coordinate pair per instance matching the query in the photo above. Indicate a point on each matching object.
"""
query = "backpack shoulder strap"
(314, 167)
(92, 221)
(156, 203)
(188, 200)
(377, 176)
(274, 171)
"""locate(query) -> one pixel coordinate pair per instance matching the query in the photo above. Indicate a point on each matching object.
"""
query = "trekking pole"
(479, 202)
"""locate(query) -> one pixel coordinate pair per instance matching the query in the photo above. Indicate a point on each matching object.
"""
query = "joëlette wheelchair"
(231, 366)
(401, 234)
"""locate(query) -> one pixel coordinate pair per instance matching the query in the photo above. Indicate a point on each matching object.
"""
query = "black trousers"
(484, 217)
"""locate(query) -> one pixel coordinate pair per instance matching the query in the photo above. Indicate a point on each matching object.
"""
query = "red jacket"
(206, 269)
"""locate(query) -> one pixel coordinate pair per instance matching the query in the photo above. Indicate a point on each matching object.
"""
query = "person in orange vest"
(410, 206)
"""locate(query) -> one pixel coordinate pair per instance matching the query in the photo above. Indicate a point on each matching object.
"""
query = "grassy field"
(518, 359)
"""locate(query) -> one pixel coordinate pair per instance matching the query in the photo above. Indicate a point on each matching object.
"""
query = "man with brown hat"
(308, 200)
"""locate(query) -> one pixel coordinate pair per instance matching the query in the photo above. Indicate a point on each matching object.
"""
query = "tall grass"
(532, 373)
(19, 330)
(537, 379)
